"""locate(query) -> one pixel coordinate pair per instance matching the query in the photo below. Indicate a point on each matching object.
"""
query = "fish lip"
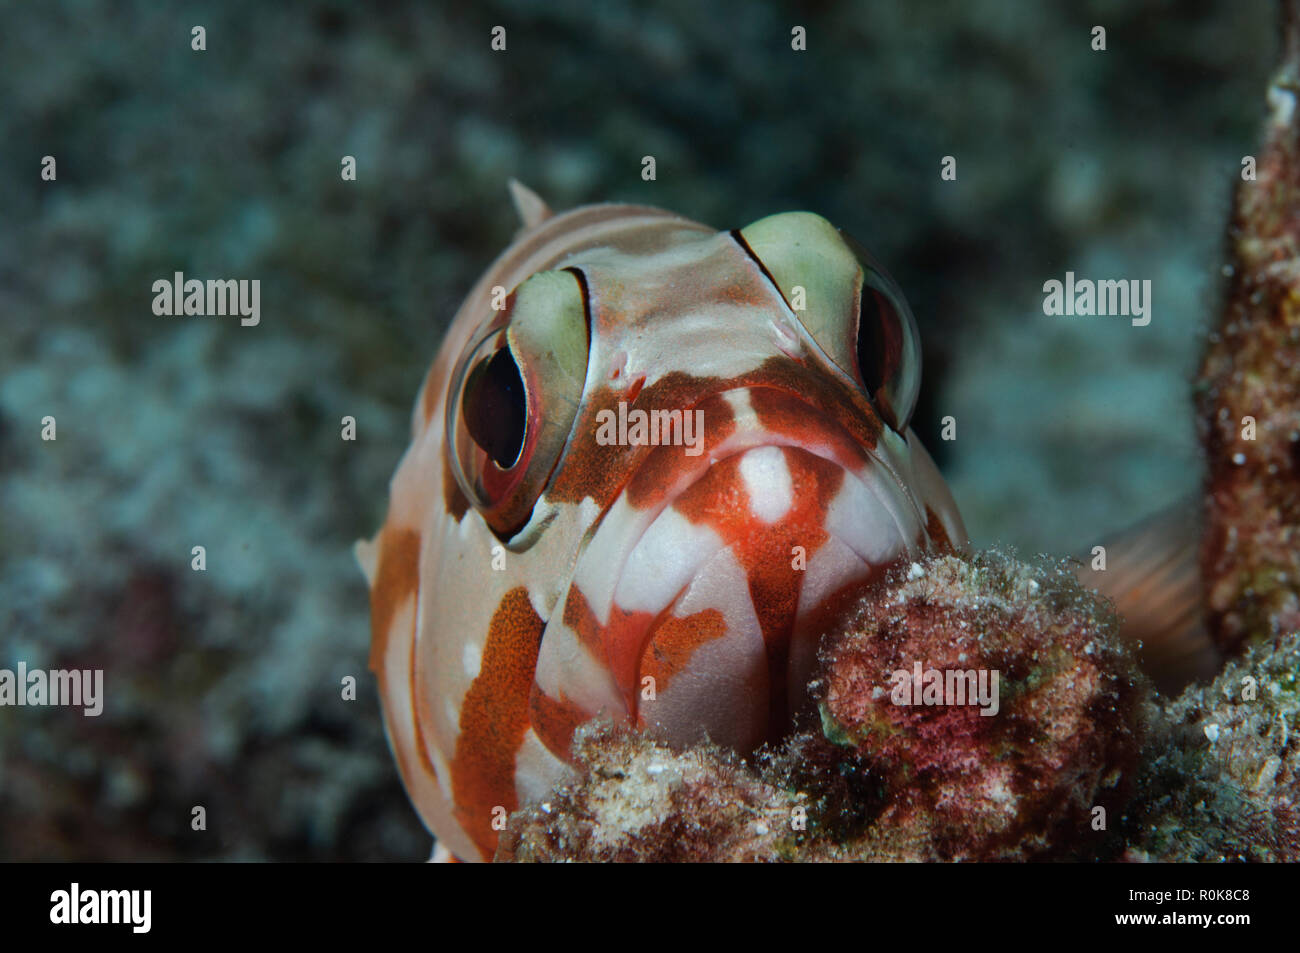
(848, 472)
(826, 420)
(756, 438)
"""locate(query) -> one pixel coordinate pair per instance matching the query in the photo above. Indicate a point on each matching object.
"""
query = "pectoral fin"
(367, 557)
(1153, 576)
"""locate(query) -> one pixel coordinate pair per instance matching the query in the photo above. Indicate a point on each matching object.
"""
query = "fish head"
(651, 461)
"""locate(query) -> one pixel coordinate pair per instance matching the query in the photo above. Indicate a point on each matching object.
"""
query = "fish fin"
(1153, 576)
(441, 855)
(367, 556)
(532, 210)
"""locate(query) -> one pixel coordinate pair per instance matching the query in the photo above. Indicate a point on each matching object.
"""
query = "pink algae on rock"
(997, 703)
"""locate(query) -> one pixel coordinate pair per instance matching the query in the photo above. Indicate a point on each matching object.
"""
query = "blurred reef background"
(223, 687)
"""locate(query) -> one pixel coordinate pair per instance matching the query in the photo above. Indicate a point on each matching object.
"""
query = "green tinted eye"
(888, 345)
(855, 312)
(514, 396)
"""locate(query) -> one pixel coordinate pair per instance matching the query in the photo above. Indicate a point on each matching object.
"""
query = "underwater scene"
(680, 432)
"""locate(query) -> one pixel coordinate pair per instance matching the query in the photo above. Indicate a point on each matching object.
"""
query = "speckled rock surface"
(1011, 760)
(1248, 391)
(643, 801)
(1222, 778)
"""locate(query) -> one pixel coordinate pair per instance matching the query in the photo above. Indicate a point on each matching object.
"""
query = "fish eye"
(888, 345)
(860, 319)
(496, 413)
(514, 397)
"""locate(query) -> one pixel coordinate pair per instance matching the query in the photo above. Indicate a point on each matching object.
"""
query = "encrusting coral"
(639, 800)
(1027, 766)
(1222, 775)
(1248, 393)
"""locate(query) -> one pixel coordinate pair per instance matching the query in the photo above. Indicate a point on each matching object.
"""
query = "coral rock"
(1223, 776)
(1018, 771)
(638, 800)
(1248, 394)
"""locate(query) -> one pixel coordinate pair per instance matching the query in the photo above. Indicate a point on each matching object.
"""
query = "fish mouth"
(718, 567)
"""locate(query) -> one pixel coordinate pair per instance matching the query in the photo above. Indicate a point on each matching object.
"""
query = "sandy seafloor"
(223, 686)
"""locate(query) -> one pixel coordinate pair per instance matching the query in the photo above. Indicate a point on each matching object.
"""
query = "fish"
(559, 548)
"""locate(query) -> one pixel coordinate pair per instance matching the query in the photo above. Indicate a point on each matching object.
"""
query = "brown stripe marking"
(453, 498)
(720, 501)
(430, 394)
(494, 719)
(396, 581)
(397, 578)
(555, 720)
(781, 412)
(579, 617)
(939, 541)
(600, 472)
(789, 398)
(617, 645)
(667, 466)
(675, 640)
